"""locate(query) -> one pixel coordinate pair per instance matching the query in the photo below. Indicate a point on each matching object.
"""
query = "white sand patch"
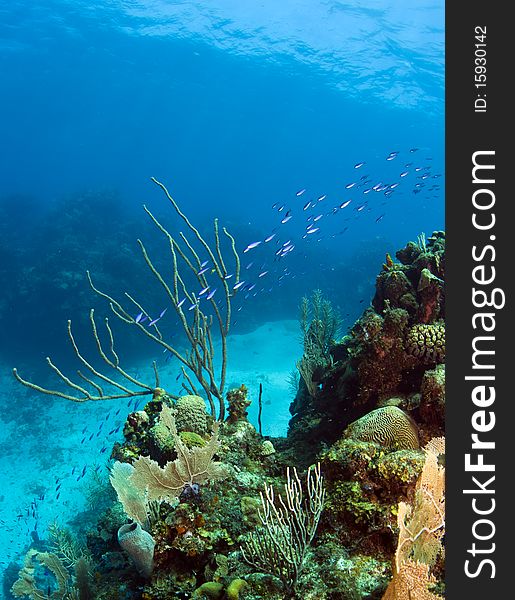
(267, 356)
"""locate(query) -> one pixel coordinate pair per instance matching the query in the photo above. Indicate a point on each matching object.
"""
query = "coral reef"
(191, 414)
(238, 403)
(198, 513)
(385, 355)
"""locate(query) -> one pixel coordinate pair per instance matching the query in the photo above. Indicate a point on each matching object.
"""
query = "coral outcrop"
(212, 509)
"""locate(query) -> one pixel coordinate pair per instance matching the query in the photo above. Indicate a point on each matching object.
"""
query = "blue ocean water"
(261, 114)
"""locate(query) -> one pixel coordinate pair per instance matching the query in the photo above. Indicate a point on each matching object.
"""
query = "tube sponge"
(139, 545)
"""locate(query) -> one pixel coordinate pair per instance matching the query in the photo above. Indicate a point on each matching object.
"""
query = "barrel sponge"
(389, 426)
(427, 342)
(191, 414)
(139, 545)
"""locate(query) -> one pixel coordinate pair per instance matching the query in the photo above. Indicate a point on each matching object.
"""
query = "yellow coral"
(427, 342)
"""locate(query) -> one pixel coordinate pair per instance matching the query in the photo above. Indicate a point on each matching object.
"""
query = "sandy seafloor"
(36, 464)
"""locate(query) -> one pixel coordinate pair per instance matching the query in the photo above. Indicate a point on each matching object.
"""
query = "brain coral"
(427, 342)
(191, 414)
(389, 426)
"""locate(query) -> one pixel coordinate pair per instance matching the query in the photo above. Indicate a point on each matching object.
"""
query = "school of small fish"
(312, 218)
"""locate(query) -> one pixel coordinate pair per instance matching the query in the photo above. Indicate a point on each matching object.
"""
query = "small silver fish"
(307, 205)
(403, 174)
(202, 271)
(138, 318)
(211, 294)
(203, 291)
(350, 185)
(300, 192)
(252, 245)
(262, 274)
(320, 198)
(269, 238)
(317, 218)
(181, 303)
(358, 165)
(238, 285)
(286, 219)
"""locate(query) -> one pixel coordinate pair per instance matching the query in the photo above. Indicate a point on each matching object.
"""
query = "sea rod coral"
(197, 363)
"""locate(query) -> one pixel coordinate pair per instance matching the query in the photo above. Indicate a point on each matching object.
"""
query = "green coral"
(234, 589)
(210, 589)
(401, 467)
(192, 439)
(191, 414)
(347, 498)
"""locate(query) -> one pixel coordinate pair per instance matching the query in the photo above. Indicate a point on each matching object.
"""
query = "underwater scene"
(222, 258)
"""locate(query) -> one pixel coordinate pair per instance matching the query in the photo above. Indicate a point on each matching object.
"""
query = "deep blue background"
(235, 106)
